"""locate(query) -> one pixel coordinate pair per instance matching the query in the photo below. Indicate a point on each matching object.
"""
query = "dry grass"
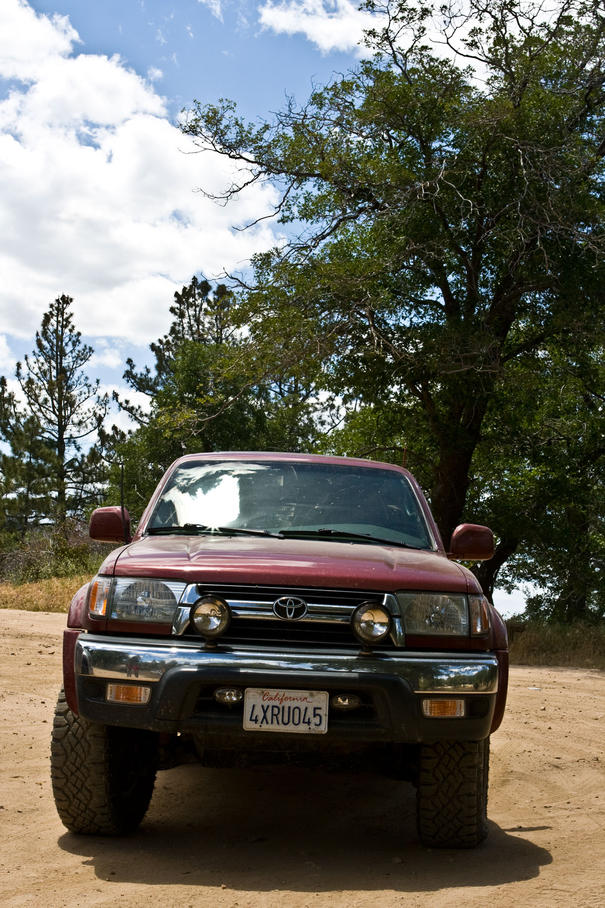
(577, 646)
(52, 595)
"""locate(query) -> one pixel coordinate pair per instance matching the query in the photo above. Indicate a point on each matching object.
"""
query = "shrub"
(44, 553)
(539, 643)
(52, 595)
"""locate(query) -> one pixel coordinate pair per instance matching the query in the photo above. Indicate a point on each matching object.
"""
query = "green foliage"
(542, 463)
(24, 468)
(49, 476)
(450, 242)
(208, 392)
(43, 554)
(439, 304)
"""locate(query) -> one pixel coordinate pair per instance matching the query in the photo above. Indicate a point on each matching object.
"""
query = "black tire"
(452, 793)
(102, 776)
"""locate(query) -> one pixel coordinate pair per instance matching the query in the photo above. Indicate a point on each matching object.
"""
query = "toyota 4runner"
(281, 607)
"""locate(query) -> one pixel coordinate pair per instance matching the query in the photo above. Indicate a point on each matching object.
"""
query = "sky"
(99, 190)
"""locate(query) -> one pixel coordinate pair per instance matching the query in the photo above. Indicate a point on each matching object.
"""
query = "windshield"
(297, 499)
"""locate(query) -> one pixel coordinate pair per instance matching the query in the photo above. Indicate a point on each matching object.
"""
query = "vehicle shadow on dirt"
(295, 829)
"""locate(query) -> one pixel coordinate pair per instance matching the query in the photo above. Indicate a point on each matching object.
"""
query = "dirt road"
(296, 838)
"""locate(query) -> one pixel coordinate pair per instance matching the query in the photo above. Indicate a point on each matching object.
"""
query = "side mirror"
(107, 525)
(471, 542)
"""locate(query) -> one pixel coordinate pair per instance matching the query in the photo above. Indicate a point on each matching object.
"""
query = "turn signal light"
(443, 709)
(479, 615)
(98, 596)
(135, 694)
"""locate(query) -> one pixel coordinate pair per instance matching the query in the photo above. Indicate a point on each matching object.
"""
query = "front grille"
(327, 623)
(289, 634)
(268, 594)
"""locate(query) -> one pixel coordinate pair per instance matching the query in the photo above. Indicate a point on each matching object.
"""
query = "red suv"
(281, 607)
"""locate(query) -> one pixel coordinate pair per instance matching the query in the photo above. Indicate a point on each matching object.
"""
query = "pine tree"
(199, 316)
(24, 468)
(66, 407)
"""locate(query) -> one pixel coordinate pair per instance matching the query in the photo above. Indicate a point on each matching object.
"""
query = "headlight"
(371, 622)
(135, 599)
(434, 613)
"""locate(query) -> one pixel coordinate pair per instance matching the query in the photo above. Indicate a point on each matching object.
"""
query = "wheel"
(102, 776)
(452, 793)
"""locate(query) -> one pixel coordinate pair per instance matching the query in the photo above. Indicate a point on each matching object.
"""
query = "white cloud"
(7, 360)
(329, 24)
(509, 604)
(117, 417)
(215, 7)
(29, 41)
(106, 355)
(97, 193)
(339, 25)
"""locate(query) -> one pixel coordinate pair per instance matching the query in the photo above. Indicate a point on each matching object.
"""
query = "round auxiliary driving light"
(211, 616)
(228, 696)
(371, 622)
(345, 701)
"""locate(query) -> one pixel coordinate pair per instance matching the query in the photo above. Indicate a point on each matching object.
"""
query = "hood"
(288, 562)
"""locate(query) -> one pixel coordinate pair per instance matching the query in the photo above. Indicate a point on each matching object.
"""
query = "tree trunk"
(448, 495)
(460, 432)
(487, 571)
(572, 604)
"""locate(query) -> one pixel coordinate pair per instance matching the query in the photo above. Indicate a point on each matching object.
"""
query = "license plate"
(303, 712)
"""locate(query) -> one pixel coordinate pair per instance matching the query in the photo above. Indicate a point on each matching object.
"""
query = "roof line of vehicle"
(290, 458)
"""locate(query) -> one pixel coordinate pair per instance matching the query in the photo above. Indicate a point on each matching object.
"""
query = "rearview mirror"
(471, 542)
(108, 525)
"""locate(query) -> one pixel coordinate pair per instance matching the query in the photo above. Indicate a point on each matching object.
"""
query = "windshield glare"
(283, 496)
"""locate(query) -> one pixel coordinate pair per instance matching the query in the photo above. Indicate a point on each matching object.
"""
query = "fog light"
(135, 694)
(371, 622)
(443, 709)
(211, 616)
(345, 701)
(228, 696)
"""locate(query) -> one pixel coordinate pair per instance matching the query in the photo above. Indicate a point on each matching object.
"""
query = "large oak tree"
(445, 213)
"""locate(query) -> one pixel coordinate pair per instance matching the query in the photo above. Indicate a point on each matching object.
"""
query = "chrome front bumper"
(112, 660)
(183, 676)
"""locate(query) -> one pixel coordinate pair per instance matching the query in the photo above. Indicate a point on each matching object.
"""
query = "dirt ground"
(297, 838)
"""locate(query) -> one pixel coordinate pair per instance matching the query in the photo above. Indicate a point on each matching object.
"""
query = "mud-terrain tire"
(452, 793)
(102, 776)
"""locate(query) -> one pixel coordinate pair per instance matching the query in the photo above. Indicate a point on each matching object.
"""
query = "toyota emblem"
(290, 608)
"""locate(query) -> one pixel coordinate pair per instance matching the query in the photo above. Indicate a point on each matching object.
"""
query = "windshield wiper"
(244, 531)
(192, 529)
(346, 534)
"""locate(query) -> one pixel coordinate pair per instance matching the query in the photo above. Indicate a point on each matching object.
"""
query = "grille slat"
(311, 595)
(289, 633)
(326, 625)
